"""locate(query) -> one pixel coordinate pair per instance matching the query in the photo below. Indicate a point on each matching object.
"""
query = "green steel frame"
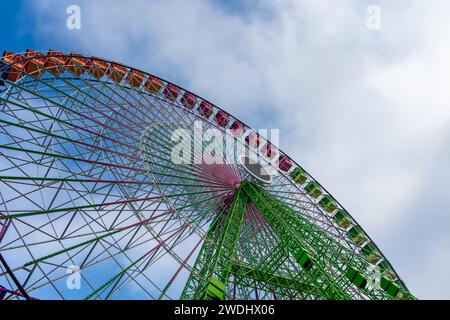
(214, 262)
(325, 268)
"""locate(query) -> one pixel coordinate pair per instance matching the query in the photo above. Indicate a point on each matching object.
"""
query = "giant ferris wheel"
(144, 190)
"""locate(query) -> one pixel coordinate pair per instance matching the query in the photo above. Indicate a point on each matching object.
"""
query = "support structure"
(325, 268)
(214, 262)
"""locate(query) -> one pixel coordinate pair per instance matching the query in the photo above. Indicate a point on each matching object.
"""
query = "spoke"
(131, 265)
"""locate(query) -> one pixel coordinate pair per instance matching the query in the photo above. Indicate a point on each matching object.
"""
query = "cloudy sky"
(363, 105)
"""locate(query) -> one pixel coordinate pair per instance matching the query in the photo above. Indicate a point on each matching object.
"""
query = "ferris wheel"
(116, 184)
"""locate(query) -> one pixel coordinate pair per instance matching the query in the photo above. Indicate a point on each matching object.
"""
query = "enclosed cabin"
(395, 289)
(328, 204)
(299, 176)
(387, 271)
(135, 78)
(171, 92)
(206, 109)
(357, 235)
(77, 64)
(390, 287)
(342, 219)
(215, 290)
(35, 65)
(269, 151)
(153, 85)
(313, 189)
(237, 128)
(98, 67)
(188, 100)
(253, 139)
(390, 283)
(356, 278)
(284, 163)
(116, 72)
(303, 259)
(56, 62)
(371, 253)
(16, 66)
(222, 118)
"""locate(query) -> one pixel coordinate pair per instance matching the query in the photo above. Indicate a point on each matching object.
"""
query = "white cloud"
(366, 112)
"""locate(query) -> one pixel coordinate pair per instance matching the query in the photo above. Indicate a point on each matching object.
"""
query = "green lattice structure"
(325, 268)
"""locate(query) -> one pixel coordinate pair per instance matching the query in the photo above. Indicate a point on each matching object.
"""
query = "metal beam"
(14, 279)
(213, 264)
(294, 234)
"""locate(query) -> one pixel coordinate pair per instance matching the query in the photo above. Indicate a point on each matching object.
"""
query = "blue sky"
(365, 111)
(13, 35)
